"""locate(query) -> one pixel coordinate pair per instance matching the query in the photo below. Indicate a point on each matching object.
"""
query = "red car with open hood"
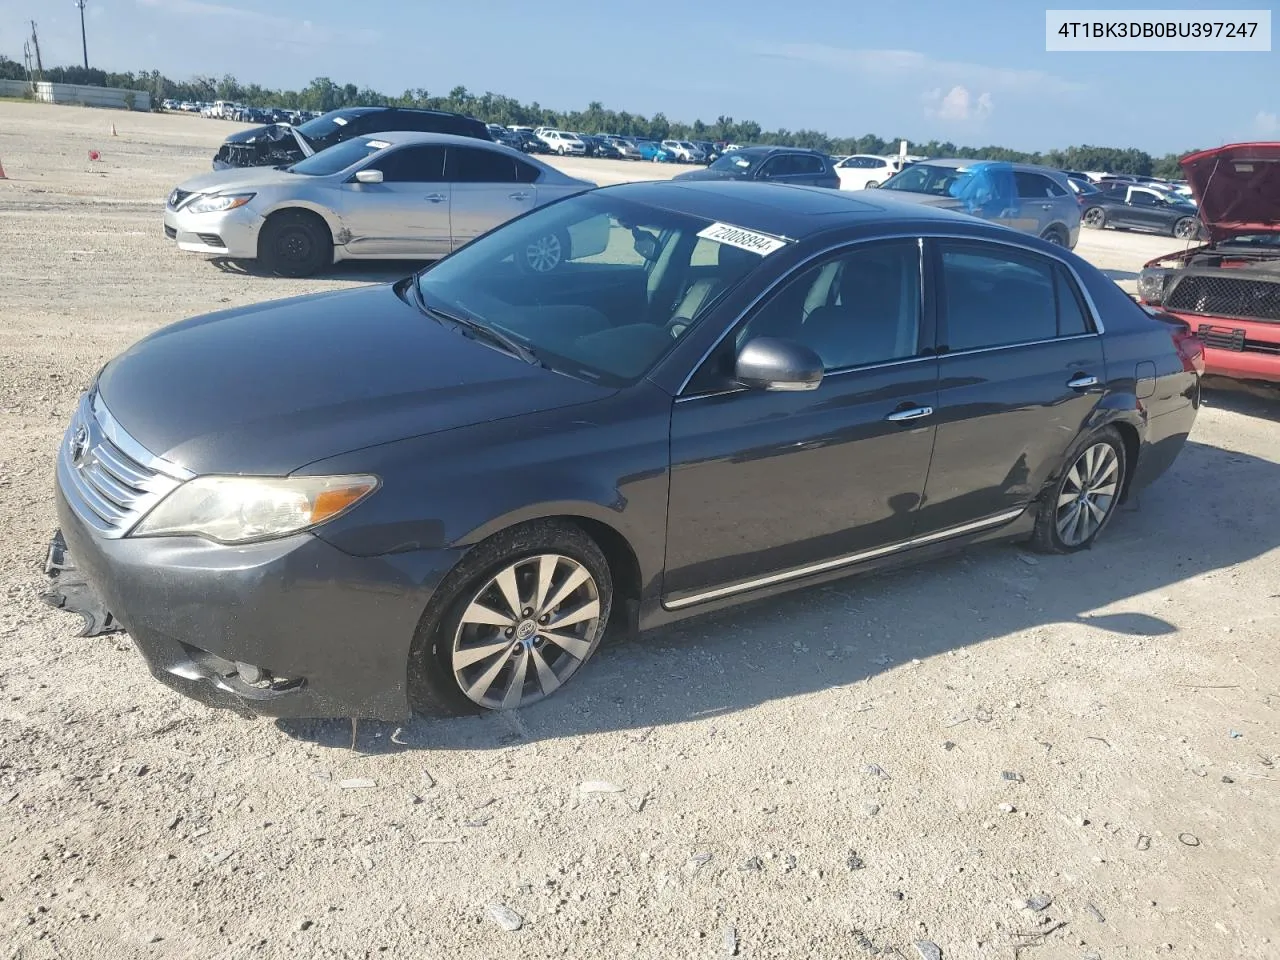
(1228, 289)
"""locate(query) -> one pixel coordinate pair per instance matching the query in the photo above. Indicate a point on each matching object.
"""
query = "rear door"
(1042, 201)
(407, 215)
(488, 187)
(1020, 371)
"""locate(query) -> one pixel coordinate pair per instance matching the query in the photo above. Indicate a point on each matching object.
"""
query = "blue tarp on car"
(987, 189)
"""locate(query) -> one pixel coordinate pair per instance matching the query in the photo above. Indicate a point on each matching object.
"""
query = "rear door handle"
(518, 196)
(1082, 382)
(1046, 206)
(435, 198)
(912, 413)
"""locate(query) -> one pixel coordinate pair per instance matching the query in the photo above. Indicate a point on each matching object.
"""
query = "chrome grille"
(107, 477)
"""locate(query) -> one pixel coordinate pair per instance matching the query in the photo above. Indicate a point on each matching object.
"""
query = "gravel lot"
(1001, 754)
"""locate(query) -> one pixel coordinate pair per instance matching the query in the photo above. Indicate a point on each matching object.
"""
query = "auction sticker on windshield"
(743, 239)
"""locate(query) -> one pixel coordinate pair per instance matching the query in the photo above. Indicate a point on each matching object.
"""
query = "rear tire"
(533, 563)
(1080, 504)
(295, 243)
(1055, 236)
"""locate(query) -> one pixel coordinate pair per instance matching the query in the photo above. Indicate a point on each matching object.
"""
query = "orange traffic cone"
(113, 129)
(2, 174)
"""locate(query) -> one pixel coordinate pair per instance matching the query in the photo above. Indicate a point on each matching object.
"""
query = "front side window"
(627, 283)
(1143, 198)
(993, 296)
(420, 164)
(858, 309)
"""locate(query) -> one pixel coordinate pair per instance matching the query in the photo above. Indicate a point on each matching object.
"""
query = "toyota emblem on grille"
(79, 443)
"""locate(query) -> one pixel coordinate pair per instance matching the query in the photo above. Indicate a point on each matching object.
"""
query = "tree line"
(323, 94)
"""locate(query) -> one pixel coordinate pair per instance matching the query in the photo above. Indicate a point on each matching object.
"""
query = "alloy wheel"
(526, 631)
(1093, 217)
(1185, 229)
(1088, 494)
(543, 255)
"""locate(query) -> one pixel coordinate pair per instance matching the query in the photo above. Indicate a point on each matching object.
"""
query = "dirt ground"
(1004, 755)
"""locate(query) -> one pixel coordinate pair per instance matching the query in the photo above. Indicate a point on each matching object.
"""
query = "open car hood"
(1237, 188)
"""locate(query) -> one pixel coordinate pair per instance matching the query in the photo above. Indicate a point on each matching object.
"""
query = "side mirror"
(368, 176)
(767, 363)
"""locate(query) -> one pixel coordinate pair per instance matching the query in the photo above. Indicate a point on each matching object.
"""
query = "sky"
(972, 73)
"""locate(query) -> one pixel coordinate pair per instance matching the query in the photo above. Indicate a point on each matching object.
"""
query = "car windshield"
(926, 178)
(325, 127)
(735, 162)
(338, 158)
(594, 286)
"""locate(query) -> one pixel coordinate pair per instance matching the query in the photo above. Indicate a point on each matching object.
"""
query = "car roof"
(785, 210)
(773, 149)
(961, 162)
(398, 137)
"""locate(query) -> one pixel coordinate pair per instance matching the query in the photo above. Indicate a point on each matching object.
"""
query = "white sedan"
(864, 170)
(402, 196)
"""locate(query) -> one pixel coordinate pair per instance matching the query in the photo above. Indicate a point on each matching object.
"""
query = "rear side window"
(1036, 186)
(412, 165)
(476, 165)
(995, 297)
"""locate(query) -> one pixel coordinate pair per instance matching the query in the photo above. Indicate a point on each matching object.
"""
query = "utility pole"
(83, 43)
(35, 42)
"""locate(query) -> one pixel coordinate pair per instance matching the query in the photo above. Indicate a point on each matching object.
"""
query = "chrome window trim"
(844, 561)
(920, 237)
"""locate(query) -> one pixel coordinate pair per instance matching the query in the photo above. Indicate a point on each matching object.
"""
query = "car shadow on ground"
(1261, 400)
(365, 271)
(841, 633)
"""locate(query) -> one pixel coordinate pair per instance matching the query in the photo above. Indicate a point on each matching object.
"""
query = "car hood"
(240, 177)
(270, 132)
(1237, 188)
(270, 388)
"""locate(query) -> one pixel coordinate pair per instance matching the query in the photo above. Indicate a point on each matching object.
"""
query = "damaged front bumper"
(286, 628)
(231, 234)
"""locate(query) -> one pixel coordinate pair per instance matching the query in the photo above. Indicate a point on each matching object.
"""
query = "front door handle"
(435, 198)
(518, 196)
(1082, 381)
(1046, 206)
(912, 413)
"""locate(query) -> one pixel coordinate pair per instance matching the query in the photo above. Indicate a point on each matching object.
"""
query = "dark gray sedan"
(442, 491)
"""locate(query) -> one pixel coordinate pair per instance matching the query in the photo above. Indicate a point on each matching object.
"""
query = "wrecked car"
(1228, 288)
(400, 195)
(280, 144)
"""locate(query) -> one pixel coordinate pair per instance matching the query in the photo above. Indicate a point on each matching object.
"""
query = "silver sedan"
(411, 196)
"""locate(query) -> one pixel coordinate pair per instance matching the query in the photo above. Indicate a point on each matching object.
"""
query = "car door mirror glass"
(368, 176)
(771, 363)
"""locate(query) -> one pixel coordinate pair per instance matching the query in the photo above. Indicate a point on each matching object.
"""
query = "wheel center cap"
(526, 629)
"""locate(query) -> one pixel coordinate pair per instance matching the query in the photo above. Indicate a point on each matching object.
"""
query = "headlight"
(219, 204)
(240, 509)
(1151, 283)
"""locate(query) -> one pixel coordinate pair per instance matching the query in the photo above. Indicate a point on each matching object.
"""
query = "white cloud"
(287, 29)
(911, 64)
(1267, 124)
(957, 105)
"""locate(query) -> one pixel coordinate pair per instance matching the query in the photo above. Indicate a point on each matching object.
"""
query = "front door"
(407, 215)
(1020, 371)
(488, 188)
(766, 483)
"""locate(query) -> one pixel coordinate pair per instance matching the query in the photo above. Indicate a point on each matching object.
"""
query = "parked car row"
(230, 110)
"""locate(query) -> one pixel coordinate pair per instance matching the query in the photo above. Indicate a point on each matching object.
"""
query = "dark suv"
(279, 144)
(807, 168)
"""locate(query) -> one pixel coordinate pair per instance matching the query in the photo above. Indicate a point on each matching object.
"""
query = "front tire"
(523, 612)
(295, 243)
(1085, 497)
(1186, 228)
(1094, 218)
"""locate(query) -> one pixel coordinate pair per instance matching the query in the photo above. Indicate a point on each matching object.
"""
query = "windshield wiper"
(484, 332)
